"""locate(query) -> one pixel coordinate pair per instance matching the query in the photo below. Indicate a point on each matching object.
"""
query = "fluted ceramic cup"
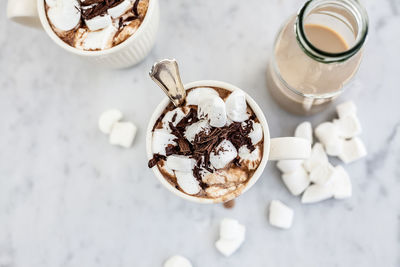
(274, 149)
(128, 53)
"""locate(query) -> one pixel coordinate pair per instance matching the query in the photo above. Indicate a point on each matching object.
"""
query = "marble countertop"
(68, 198)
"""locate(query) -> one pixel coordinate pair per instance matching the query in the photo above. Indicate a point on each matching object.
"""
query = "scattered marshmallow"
(177, 113)
(224, 153)
(161, 139)
(180, 163)
(99, 39)
(231, 229)
(192, 130)
(316, 193)
(213, 108)
(250, 159)
(187, 182)
(98, 22)
(123, 134)
(256, 133)
(334, 147)
(280, 215)
(322, 173)
(345, 109)
(177, 261)
(341, 183)
(353, 150)
(297, 181)
(232, 235)
(318, 157)
(348, 126)
(288, 166)
(326, 131)
(64, 14)
(236, 106)
(195, 95)
(304, 130)
(120, 9)
(107, 120)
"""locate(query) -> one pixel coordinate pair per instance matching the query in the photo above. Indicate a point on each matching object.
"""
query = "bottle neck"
(346, 17)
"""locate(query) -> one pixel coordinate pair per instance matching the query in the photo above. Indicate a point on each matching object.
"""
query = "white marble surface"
(68, 198)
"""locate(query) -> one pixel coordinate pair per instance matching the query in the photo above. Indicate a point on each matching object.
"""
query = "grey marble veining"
(68, 198)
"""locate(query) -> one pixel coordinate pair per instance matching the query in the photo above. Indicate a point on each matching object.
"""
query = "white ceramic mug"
(274, 149)
(128, 53)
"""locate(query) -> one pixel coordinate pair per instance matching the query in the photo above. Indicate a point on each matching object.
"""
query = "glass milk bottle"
(316, 53)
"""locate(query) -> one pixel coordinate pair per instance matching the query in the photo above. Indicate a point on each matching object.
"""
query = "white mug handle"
(289, 148)
(23, 12)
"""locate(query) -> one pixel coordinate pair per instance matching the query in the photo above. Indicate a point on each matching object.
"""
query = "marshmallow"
(224, 153)
(231, 229)
(51, 3)
(187, 182)
(236, 106)
(192, 130)
(180, 163)
(177, 113)
(288, 166)
(341, 183)
(123, 134)
(296, 182)
(326, 132)
(250, 159)
(119, 10)
(304, 130)
(316, 193)
(322, 173)
(216, 191)
(232, 235)
(227, 247)
(334, 147)
(195, 95)
(108, 118)
(99, 39)
(64, 14)
(280, 215)
(213, 108)
(177, 261)
(353, 150)
(346, 108)
(99, 22)
(161, 139)
(256, 133)
(318, 157)
(348, 126)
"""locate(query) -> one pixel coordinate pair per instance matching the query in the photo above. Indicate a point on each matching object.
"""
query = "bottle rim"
(358, 12)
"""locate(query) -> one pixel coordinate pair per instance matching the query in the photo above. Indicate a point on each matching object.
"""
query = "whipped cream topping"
(95, 24)
(210, 153)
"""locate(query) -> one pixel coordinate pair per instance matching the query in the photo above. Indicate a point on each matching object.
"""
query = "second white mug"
(128, 53)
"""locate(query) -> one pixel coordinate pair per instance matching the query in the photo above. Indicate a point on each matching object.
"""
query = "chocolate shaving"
(174, 117)
(184, 146)
(99, 8)
(135, 8)
(197, 175)
(90, 2)
(130, 18)
(156, 158)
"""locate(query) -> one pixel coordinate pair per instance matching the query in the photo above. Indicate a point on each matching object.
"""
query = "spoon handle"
(166, 75)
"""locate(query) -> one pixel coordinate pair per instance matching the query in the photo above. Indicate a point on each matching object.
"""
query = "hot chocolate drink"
(210, 146)
(95, 24)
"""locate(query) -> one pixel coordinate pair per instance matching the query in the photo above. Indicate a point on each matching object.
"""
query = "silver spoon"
(166, 75)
